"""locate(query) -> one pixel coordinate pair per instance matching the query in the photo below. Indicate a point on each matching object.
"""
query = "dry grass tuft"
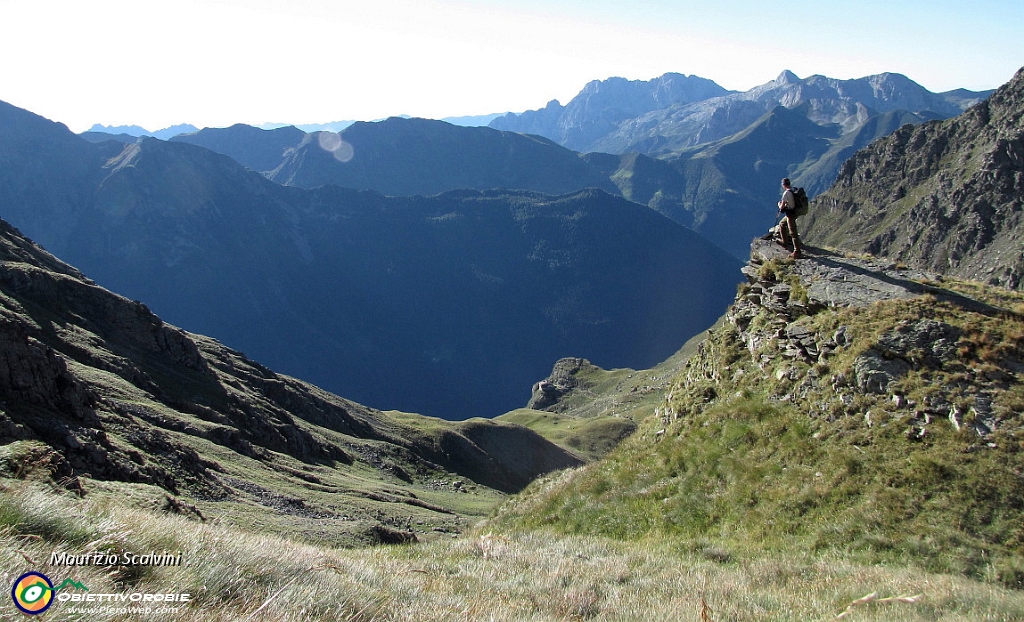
(873, 598)
(521, 576)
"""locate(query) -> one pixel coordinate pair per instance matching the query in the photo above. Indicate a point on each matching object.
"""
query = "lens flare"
(336, 145)
(329, 141)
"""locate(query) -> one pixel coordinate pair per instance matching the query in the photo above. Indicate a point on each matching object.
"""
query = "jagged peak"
(787, 77)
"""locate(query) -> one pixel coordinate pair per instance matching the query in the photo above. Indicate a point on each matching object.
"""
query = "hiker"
(787, 228)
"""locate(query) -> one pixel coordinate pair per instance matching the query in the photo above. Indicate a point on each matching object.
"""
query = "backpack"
(802, 202)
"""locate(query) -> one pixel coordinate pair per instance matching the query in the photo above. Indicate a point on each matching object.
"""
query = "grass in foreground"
(521, 575)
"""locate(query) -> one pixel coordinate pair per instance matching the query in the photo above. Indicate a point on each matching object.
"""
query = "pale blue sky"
(157, 63)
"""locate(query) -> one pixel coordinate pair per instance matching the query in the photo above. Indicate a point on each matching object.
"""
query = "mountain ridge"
(944, 195)
(685, 124)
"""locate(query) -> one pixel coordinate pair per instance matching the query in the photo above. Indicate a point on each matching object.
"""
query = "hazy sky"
(212, 63)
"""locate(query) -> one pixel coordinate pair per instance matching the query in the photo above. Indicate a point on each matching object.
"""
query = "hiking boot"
(796, 255)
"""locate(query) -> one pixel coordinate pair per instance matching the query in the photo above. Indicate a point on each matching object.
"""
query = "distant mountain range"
(135, 131)
(450, 305)
(667, 115)
(708, 158)
(403, 300)
(603, 105)
(127, 133)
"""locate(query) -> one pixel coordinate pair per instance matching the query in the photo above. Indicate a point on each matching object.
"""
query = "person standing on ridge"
(787, 228)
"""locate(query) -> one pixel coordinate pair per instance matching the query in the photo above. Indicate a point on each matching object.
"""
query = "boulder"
(874, 373)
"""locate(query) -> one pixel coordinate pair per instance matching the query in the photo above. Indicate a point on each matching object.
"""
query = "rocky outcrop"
(780, 292)
(786, 333)
(831, 279)
(548, 392)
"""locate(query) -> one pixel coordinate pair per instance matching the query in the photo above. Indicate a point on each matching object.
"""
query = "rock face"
(602, 105)
(945, 196)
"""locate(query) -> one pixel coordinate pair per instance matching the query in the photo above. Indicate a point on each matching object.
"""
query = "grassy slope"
(605, 407)
(99, 393)
(771, 461)
(746, 510)
(237, 574)
(590, 438)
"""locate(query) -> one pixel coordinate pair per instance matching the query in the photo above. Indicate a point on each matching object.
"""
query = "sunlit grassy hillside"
(762, 451)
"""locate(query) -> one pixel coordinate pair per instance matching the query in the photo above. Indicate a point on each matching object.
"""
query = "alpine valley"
(577, 383)
(450, 305)
(308, 282)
